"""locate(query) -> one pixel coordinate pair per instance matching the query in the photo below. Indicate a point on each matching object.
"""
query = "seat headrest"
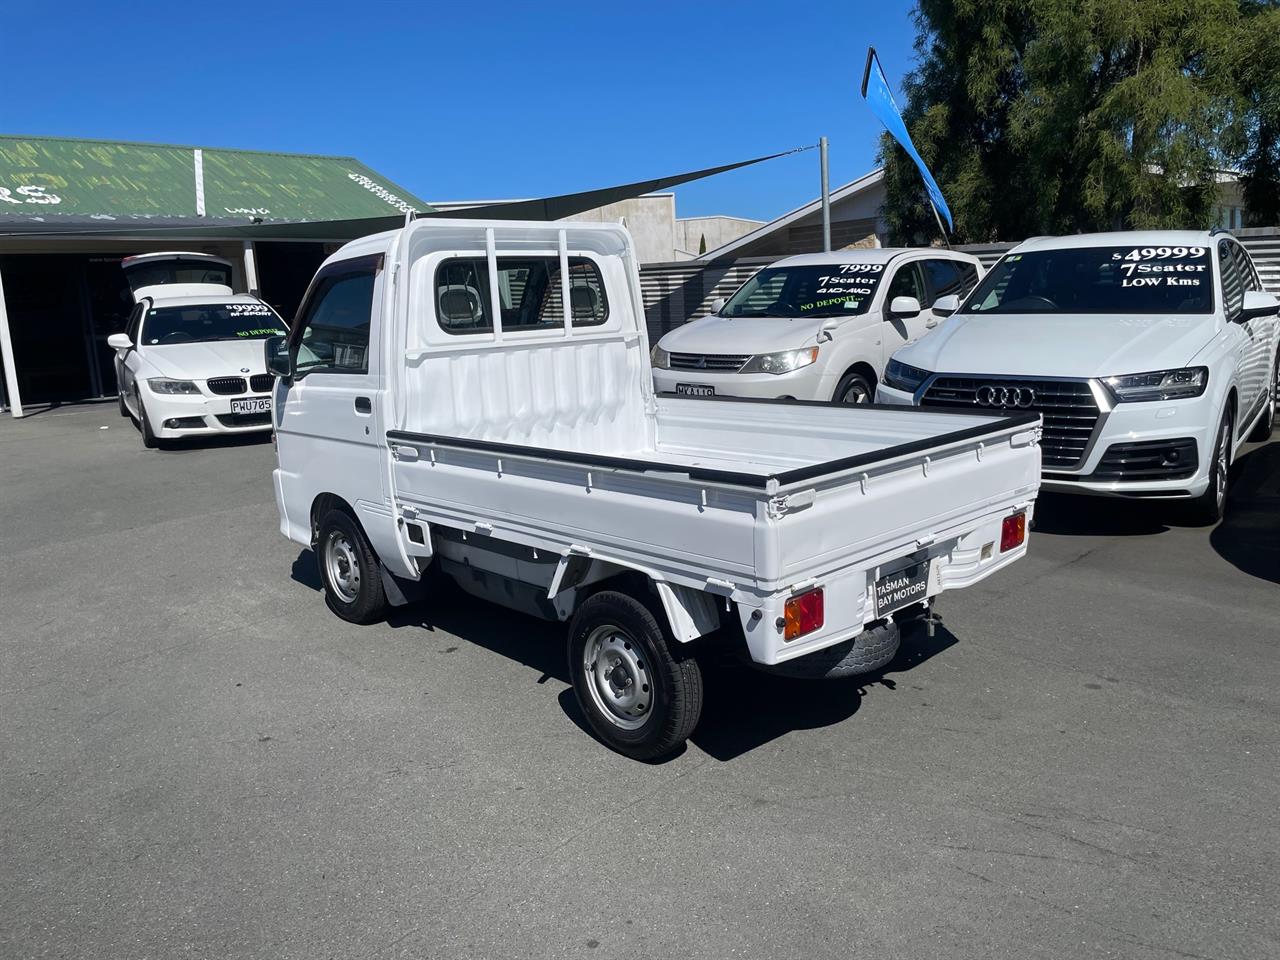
(584, 301)
(460, 304)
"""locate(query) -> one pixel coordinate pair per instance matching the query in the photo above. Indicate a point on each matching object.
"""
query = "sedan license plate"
(256, 405)
(695, 390)
(902, 588)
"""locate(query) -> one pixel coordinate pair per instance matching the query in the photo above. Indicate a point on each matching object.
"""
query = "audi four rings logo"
(992, 396)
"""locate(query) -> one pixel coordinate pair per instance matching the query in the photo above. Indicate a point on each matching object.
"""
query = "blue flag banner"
(875, 90)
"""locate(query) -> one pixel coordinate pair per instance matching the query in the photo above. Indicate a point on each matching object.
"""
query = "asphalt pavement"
(198, 759)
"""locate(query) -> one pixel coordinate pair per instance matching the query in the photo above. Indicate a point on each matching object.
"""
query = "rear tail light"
(804, 614)
(1013, 531)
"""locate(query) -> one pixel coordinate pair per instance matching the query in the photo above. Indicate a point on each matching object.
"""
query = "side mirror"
(277, 357)
(119, 341)
(828, 329)
(717, 305)
(904, 307)
(1256, 304)
(946, 306)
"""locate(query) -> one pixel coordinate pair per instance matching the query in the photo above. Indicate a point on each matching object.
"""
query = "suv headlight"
(1160, 384)
(903, 376)
(784, 362)
(659, 358)
(161, 385)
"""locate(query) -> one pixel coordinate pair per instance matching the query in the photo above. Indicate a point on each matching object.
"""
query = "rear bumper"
(962, 559)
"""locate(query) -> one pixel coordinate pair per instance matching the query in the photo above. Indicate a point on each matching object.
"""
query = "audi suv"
(1150, 355)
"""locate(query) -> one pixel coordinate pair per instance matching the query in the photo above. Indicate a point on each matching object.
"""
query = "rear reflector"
(804, 614)
(1013, 531)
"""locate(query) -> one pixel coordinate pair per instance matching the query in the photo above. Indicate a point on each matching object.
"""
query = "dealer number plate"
(256, 405)
(695, 390)
(902, 588)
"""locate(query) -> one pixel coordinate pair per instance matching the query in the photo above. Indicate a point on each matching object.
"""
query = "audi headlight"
(660, 359)
(903, 376)
(784, 362)
(160, 385)
(1160, 384)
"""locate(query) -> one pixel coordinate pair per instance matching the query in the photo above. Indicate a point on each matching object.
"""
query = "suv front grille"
(226, 386)
(261, 382)
(721, 362)
(1069, 410)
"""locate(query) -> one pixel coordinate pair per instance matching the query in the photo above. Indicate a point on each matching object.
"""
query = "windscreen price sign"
(1161, 266)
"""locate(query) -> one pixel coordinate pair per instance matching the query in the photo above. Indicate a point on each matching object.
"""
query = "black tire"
(1208, 508)
(124, 410)
(1263, 429)
(868, 651)
(149, 439)
(854, 388)
(661, 694)
(349, 569)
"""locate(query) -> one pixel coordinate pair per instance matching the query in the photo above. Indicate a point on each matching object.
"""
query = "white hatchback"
(815, 327)
(193, 366)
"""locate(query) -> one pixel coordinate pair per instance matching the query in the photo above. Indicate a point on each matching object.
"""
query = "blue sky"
(475, 100)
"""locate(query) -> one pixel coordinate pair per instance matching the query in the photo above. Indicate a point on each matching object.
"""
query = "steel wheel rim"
(1222, 464)
(856, 393)
(618, 677)
(343, 567)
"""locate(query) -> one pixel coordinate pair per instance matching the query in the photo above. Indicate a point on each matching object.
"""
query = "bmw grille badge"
(990, 395)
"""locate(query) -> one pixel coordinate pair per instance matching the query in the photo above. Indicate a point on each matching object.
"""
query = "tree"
(1038, 116)
(1258, 75)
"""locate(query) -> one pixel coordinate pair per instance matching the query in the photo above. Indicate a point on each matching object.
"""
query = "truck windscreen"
(1118, 280)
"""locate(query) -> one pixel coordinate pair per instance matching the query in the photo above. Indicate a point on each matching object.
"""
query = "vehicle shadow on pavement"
(744, 708)
(1061, 514)
(1249, 537)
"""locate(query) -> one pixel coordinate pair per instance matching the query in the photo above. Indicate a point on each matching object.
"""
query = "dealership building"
(71, 210)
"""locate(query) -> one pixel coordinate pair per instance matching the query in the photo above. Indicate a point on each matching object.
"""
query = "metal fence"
(675, 293)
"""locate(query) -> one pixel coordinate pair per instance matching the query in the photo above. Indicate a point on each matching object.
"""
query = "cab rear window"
(530, 294)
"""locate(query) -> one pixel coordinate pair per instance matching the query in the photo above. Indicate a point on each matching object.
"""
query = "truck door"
(328, 428)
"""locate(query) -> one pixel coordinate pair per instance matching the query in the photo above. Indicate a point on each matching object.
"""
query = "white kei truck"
(475, 397)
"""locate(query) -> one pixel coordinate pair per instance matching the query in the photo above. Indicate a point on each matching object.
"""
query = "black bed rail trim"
(835, 404)
(730, 477)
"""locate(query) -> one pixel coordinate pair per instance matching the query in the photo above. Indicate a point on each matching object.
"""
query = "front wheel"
(149, 438)
(1208, 508)
(349, 569)
(854, 388)
(639, 699)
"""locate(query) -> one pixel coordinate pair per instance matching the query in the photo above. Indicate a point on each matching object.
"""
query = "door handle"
(364, 405)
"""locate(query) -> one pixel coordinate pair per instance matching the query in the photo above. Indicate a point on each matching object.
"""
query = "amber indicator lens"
(1013, 531)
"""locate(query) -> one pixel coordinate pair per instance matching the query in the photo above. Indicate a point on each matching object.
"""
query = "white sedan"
(193, 366)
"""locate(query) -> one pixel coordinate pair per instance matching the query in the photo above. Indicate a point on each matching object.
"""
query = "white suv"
(1151, 356)
(815, 327)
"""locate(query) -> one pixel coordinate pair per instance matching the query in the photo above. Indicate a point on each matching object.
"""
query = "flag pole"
(826, 195)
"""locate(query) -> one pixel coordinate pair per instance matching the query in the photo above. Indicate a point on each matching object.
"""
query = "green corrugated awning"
(54, 181)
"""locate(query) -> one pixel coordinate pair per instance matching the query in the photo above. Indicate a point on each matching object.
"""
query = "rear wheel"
(124, 410)
(855, 388)
(349, 569)
(1266, 426)
(1208, 508)
(639, 699)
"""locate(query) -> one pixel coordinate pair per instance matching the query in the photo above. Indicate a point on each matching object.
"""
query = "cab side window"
(332, 332)
(1233, 280)
(907, 282)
